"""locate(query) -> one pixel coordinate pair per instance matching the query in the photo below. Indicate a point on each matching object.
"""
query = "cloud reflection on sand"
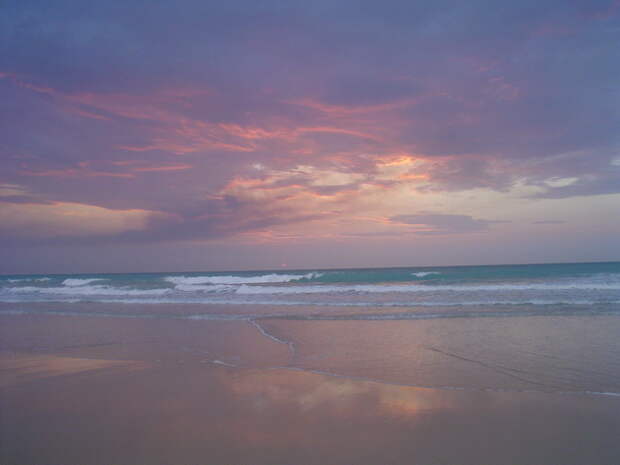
(20, 368)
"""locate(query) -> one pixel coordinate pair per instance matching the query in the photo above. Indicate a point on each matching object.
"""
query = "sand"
(78, 390)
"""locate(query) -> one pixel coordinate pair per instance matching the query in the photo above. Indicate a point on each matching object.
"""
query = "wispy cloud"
(439, 223)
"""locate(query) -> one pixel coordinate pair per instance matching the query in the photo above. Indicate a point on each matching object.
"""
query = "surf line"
(264, 332)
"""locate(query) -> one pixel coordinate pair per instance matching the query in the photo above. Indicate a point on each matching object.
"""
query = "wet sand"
(533, 353)
(78, 390)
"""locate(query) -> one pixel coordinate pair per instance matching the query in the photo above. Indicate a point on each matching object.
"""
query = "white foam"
(595, 393)
(421, 274)
(246, 289)
(88, 291)
(226, 364)
(205, 288)
(28, 279)
(267, 278)
(418, 288)
(170, 296)
(71, 282)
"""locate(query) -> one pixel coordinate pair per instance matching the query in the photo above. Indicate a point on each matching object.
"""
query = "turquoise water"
(583, 284)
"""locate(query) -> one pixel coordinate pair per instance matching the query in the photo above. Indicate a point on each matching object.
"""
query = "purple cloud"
(161, 107)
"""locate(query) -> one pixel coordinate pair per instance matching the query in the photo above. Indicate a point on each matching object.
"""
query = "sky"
(207, 135)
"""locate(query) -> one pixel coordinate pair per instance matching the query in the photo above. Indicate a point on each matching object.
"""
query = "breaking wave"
(422, 274)
(586, 284)
(21, 280)
(415, 288)
(267, 278)
(72, 282)
(87, 291)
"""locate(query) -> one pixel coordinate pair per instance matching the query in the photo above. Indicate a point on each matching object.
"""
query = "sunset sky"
(206, 135)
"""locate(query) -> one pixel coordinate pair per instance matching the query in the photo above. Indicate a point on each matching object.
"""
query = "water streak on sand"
(443, 388)
(506, 371)
(290, 344)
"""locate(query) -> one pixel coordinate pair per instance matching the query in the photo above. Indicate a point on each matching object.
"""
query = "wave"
(267, 278)
(328, 316)
(82, 287)
(105, 294)
(417, 288)
(72, 282)
(597, 393)
(422, 274)
(20, 280)
(206, 288)
(314, 288)
(87, 291)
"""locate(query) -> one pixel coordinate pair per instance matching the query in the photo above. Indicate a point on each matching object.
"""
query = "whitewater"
(594, 285)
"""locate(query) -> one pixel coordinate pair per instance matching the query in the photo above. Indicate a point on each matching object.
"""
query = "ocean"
(588, 287)
(544, 327)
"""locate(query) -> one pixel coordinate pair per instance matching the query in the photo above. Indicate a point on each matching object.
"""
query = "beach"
(309, 233)
(93, 388)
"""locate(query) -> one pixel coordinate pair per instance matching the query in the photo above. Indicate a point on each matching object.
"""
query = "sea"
(541, 288)
(541, 327)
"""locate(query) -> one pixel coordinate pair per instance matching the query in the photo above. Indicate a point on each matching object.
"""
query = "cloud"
(439, 223)
(586, 184)
(347, 105)
(26, 222)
